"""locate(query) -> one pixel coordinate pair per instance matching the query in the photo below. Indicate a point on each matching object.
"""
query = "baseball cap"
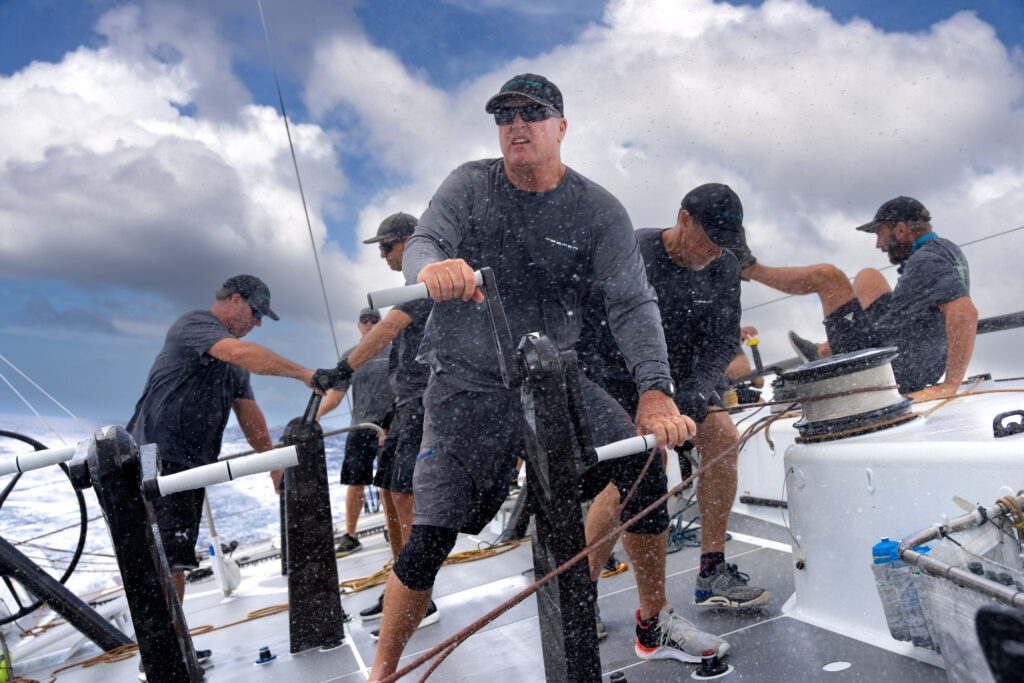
(901, 208)
(532, 86)
(720, 213)
(253, 290)
(369, 311)
(396, 226)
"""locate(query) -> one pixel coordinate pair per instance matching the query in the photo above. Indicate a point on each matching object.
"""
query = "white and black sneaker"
(669, 636)
(375, 611)
(727, 586)
(431, 617)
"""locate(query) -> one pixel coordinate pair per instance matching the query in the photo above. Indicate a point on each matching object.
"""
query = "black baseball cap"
(396, 226)
(371, 312)
(253, 290)
(719, 211)
(906, 209)
(536, 88)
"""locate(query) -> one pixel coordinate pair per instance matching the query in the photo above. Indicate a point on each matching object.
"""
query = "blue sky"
(145, 162)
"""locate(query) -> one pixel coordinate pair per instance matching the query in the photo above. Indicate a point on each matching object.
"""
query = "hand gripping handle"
(382, 298)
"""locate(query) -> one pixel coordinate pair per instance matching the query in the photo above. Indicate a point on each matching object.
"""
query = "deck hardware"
(1001, 428)
(265, 656)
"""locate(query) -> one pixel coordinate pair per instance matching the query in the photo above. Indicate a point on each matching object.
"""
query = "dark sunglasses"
(369, 319)
(530, 113)
(255, 312)
(387, 247)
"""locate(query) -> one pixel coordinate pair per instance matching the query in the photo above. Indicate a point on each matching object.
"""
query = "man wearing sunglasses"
(200, 375)
(551, 235)
(402, 327)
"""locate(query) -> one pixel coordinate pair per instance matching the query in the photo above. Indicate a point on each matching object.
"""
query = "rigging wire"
(45, 393)
(298, 177)
(32, 408)
(964, 244)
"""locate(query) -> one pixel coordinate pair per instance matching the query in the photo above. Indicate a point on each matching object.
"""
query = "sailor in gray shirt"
(550, 235)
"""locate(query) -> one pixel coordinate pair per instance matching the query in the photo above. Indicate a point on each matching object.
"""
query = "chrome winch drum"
(853, 400)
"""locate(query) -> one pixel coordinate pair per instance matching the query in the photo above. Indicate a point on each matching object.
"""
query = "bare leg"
(828, 282)
(393, 523)
(353, 506)
(403, 506)
(403, 610)
(601, 518)
(716, 486)
(178, 578)
(647, 553)
(869, 285)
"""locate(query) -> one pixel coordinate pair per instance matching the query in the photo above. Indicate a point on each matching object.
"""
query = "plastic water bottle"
(903, 580)
(892, 605)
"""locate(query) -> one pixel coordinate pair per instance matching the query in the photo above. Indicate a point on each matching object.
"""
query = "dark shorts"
(360, 450)
(178, 516)
(853, 328)
(470, 444)
(397, 458)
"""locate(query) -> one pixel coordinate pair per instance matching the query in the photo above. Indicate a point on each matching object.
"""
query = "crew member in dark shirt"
(929, 316)
(371, 403)
(402, 328)
(697, 280)
(550, 235)
(201, 375)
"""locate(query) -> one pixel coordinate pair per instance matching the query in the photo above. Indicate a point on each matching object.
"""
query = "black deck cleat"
(710, 667)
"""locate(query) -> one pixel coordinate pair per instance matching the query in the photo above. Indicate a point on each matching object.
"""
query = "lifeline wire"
(30, 407)
(980, 239)
(295, 163)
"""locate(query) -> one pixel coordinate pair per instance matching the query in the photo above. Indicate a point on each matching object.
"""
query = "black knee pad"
(422, 556)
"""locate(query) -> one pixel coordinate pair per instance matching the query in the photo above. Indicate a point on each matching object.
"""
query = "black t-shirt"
(700, 314)
(408, 376)
(935, 273)
(188, 396)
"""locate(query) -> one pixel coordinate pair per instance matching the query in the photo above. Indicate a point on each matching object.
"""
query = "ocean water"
(41, 514)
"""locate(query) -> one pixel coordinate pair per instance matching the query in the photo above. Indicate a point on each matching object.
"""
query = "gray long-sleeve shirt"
(547, 249)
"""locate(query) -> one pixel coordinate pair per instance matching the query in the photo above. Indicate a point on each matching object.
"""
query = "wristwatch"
(665, 386)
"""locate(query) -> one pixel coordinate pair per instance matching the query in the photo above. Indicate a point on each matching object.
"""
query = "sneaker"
(669, 636)
(601, 632)
(431, 617)
(725, 586)
(373, 613)
(804, 348)
(613, 567)
(347, 545)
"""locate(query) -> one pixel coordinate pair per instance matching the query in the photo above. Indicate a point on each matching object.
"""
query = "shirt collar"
(917, 243)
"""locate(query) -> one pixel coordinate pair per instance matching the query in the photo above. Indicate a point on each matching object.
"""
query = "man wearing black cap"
(402, 328)
(371, 403)
(550, 235)
(697, 280)
(201, 375)
(929, 316)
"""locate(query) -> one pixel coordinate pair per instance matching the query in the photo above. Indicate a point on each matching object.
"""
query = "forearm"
(260, 360)
(379, 337)
(329, 402)
(253, 425)
(421, 251)
(961, 331)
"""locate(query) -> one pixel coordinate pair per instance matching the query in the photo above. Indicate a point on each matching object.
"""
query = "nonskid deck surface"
(766, 645)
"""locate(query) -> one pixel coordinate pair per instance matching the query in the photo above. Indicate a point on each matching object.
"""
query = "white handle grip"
(620, 449)
(382, 298)
(36, 460)
(226, 470)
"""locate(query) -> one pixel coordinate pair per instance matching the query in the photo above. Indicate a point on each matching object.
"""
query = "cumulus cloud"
(144, 163)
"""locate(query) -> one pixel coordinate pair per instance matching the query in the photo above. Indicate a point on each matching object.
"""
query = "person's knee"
(422, 556)
(868, 285)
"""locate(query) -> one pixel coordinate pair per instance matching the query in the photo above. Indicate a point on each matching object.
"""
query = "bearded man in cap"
(551, 236)
(929, 316)
(199, 377)
(692, 268)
